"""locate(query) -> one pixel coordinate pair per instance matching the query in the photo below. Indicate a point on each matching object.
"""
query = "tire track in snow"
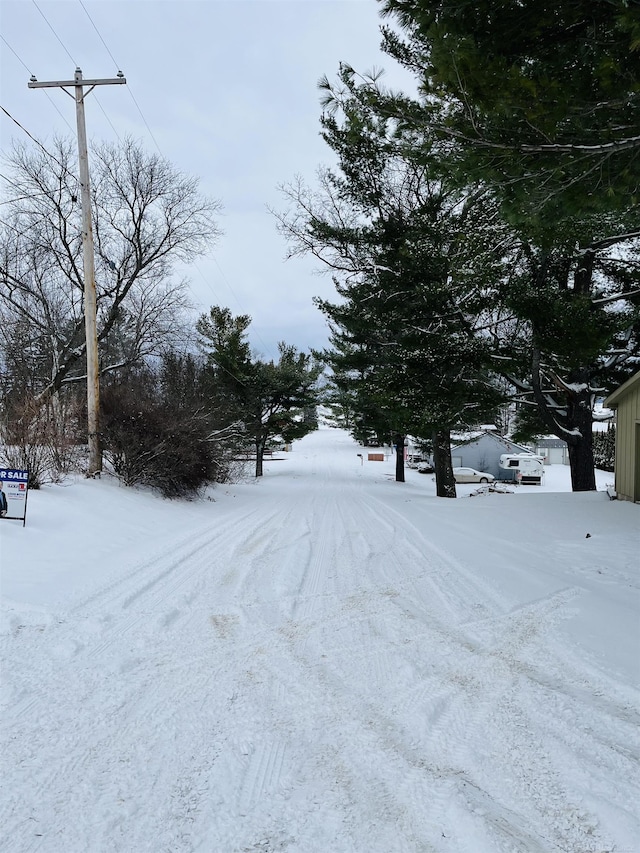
(131, 739)
(309, 599)
(123, 716)
(466, 705)
(324, 563)
(328, 738)
(300, 560)
(154, 714)
(263, 774)
(188, 566)
(264, 740)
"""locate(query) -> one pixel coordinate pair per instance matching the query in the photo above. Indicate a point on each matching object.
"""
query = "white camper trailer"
(522, 468)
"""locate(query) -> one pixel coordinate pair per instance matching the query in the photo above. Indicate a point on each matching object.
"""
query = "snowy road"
(329, 662)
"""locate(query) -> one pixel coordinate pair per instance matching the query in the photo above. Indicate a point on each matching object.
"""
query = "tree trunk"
(445, 481)
(398, 441)
(576, 426)
(583, 476)
(260, 445)
(579, 411)
(580, 418)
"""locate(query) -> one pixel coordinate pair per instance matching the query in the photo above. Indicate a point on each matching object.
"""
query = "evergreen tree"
(404, 247)
(572, 337)
(540, 99)
(269, 398)
(530, 106)
(604, 448)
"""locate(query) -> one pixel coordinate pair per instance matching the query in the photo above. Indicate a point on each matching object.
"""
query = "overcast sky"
(224, 89)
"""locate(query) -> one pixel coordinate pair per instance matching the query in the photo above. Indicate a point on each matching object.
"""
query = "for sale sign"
(15, 485)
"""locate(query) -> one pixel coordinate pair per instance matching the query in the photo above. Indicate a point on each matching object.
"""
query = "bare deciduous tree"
(147, 218)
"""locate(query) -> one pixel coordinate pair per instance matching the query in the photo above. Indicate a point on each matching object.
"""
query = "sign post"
(15, 485)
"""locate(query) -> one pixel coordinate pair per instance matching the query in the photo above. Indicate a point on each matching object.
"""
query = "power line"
(10, 181)
(23, 198)
(18, 187)
(146, 124)
(99, 35)
(30, 72)
(93, 24)
(16, 122)
(90, 300)
(64, 47)
(38, 143)
(107, 118)
(235, 296)
(95, 27)
(13, 228)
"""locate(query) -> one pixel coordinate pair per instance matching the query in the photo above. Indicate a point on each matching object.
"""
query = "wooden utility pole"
(90, 304)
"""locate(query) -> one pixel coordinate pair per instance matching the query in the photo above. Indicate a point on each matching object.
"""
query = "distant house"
(482, 450)
(626, 402)
(554, 450)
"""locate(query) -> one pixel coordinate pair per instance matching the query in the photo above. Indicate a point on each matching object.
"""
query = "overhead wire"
(64, 47)
(86, 11)
(38, 143)
(31, 74)
(18, 187)
(204, 278)
(49, 154)
(118, 67)
(24, 129)
(13, 227)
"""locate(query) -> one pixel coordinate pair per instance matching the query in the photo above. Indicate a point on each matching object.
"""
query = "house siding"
(483, 453)
(627, 464)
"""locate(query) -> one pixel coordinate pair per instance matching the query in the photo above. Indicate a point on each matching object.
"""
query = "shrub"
(40, 437)
(154, 441)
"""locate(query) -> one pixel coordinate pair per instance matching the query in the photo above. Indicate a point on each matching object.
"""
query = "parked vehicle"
(523, 468)
(470, 475)
(425, 468)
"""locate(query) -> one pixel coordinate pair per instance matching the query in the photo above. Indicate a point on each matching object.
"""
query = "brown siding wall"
(627, 450)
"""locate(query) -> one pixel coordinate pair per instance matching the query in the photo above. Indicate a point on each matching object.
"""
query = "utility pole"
(90, 303)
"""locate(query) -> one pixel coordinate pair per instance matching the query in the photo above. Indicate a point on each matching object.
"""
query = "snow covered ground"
(323, 661)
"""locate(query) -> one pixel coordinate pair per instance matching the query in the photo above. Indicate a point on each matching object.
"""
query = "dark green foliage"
(539, 105)
(604, 449)
(540, 99)
(268, 398)
(527, 425)
(577, 329)
(414, 262)
(488, 225)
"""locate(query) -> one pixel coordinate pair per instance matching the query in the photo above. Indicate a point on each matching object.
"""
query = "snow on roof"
(469, 437)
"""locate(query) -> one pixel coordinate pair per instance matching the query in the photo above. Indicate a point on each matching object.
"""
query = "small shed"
(482, 450)
(554, 450)
(626, 402)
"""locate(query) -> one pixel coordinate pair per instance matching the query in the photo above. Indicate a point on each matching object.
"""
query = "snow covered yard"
(324, 661)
